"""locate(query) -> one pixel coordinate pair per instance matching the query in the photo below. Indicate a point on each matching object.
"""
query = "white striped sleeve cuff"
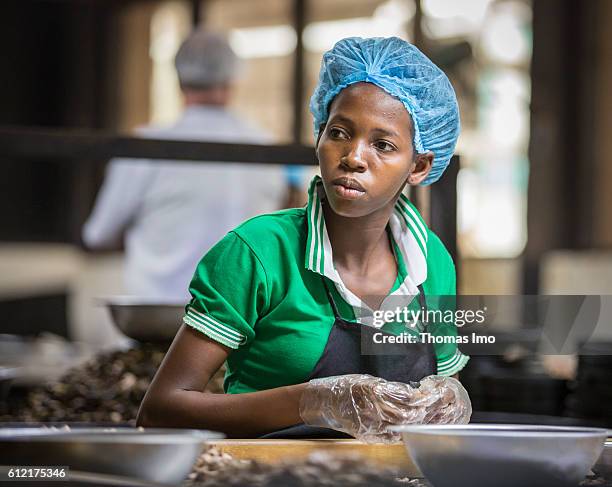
(452, 365)
(214, 329)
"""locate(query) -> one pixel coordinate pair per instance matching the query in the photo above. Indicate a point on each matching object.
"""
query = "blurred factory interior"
(534, 210)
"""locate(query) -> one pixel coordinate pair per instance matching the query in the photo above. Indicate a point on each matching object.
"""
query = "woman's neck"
(358, 244)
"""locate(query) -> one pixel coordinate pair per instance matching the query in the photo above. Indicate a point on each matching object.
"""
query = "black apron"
(409, 363)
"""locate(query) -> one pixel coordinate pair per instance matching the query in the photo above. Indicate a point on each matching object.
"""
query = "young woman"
(279, 297)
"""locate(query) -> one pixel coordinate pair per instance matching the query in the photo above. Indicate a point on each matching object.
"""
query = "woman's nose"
(355, 158)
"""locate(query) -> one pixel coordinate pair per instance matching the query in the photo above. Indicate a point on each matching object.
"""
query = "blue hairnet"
(404, 72)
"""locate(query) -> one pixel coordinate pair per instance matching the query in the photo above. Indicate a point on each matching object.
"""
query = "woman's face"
(365, 150)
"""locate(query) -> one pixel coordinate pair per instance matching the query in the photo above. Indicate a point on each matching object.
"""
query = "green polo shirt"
(260, 292)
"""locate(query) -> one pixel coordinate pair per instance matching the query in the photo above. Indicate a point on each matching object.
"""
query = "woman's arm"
(175, 397)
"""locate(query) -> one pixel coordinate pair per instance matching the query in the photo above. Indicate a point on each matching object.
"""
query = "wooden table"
(277, 451)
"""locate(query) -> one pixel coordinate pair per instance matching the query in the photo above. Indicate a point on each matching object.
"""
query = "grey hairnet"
(404, 72)
(205, 59)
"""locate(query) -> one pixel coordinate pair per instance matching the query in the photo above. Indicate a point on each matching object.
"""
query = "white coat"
(172, 213)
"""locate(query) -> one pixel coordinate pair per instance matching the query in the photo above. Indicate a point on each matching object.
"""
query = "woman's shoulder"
(269, 231)
(441, 278)
(437, 253)
(436, 248)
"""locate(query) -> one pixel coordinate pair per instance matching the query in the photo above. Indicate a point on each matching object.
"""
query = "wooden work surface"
(276, 451)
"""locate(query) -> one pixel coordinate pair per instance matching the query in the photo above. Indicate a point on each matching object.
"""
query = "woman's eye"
(337, 133)
(384, 146)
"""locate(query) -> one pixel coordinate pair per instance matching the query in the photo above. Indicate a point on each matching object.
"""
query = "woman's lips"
(348, 193)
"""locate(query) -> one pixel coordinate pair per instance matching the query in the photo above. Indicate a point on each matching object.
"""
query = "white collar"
(407, 228)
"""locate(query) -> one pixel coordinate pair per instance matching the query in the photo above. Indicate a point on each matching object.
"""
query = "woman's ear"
(422, 166)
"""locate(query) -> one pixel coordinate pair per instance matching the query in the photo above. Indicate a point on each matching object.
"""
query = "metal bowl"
(603, 466)
(503, 455)
(155, 455)
(7, 375)
(146, 320)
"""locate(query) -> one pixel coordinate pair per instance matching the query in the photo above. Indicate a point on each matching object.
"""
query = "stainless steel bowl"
(155, 455)
(503, 455)
(7, 376)
(603, 466)
(146, 320)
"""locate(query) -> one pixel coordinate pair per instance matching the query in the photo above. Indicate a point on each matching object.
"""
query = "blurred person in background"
(147, 203)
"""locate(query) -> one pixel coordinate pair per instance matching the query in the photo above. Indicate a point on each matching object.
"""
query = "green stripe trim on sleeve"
(214, 329)
(453, 364)
(210, 333)
(450, 362)
(209, 320)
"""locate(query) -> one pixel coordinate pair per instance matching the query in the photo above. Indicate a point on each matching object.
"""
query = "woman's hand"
(365, 406)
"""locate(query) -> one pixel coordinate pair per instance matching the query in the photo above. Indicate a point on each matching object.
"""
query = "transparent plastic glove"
(364, 406)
